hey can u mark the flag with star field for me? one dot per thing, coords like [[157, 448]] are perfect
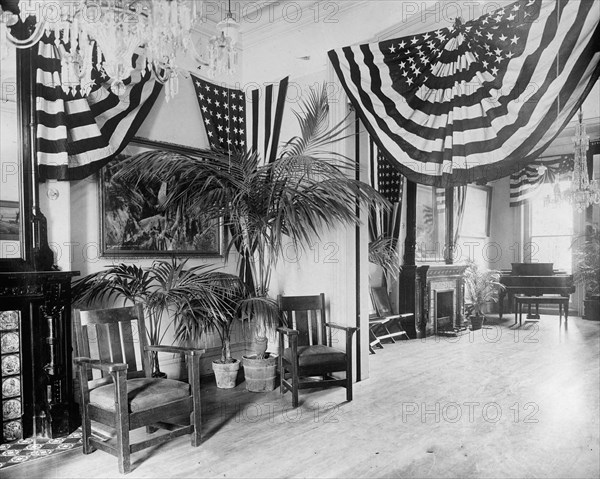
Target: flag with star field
[[223, 113], [479, 100]]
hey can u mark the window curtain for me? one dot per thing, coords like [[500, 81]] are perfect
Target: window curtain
[[78, 132], [525, 183], [460, 197]]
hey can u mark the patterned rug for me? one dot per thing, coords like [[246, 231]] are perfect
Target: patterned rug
[[25, 450]]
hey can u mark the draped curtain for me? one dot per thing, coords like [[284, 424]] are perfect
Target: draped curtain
[[460, 197]]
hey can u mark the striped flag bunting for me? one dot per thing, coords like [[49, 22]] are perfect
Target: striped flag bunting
[[235, 120], [525, 182], [78, 133], [478, 100]]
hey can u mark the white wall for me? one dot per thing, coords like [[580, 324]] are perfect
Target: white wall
[[282, 45]]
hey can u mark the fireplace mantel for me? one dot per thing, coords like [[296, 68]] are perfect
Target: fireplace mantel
[[418, 286]]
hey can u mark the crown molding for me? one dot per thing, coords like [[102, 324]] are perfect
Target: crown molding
[[275, 25]]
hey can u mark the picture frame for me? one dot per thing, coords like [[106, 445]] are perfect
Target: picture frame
[[10, 229], [132, 222], [478, 208]]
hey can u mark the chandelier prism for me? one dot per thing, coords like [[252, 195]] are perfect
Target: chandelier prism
[[222, 48], [584, 192], [105, 34]]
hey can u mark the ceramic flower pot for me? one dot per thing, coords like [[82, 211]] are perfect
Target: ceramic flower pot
[[477, 322], [226, 373]]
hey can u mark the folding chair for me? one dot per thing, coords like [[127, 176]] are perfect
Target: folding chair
[[381, 301]]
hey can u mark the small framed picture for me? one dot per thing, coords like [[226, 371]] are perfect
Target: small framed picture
[[9, 220], [133, 221]]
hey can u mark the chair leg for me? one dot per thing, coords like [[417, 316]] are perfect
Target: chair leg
[[86, 423], [86, 429], [295, 382], [349, 383], [196, 415], [122, 424], [281, 373]]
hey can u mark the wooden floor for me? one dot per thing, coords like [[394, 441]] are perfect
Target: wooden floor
[[494, 403]]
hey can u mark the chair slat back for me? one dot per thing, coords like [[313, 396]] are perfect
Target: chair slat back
[[116, 335], [306, 314], [381, 301]]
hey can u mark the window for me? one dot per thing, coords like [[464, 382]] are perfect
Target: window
[[551, 228]]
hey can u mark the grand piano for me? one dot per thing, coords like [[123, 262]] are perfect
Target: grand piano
[[534, 279]]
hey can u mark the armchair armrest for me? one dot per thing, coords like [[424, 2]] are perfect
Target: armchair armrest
[[348, 329], [288, 331], [98, 364], [176, 349]]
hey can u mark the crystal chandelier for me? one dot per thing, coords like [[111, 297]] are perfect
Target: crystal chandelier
[[114, 29], [222, 48], [584, 192]]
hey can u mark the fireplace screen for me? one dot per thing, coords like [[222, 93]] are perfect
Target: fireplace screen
[[444, 311]]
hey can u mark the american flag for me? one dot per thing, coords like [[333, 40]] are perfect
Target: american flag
[[475, 101], [390, 183], [235, 121], [223, 113], [524, 183], [389, 180], [78, 134]]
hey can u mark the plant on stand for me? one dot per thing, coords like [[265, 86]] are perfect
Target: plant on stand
[[166, 288], [293, 199], [586, 248], [482, 286]]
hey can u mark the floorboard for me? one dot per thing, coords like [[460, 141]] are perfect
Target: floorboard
[[493, 403]]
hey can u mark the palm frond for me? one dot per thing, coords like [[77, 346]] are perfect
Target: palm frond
[[307, 190], [384, 253], [316, 136]]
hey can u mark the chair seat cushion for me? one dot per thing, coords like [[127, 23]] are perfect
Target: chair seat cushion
[[318, 356], [143, 393]]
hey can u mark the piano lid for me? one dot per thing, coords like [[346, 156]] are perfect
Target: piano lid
[[532, 269]]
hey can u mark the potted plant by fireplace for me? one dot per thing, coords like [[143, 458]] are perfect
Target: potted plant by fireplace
[[586, 249], [266, 207], [482, 286]]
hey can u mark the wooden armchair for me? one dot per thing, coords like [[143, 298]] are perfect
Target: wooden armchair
[[117, 387], [310, 353]]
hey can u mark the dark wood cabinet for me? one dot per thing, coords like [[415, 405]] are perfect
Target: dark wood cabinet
[[36, 374]]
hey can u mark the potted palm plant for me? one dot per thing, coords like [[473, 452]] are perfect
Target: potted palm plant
[[293, 199], [587, 269], [197, 320], [166, 288], [482, 286]]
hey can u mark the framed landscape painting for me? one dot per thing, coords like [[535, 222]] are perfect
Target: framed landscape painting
[[134, 223]]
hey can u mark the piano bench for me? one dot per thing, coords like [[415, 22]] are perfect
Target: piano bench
[[520, 301]]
